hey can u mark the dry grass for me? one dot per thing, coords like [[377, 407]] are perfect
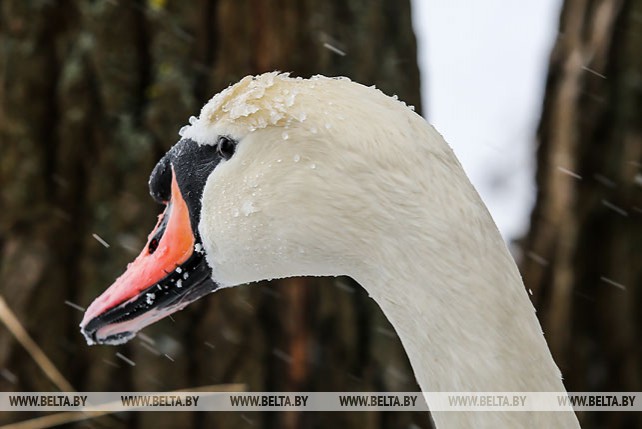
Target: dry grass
[[12, 323], [8, 317]]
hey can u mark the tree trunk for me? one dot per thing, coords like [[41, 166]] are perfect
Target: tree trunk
[[584, 251], [91, 95]]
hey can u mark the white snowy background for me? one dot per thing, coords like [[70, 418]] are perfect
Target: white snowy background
[[483, 66]]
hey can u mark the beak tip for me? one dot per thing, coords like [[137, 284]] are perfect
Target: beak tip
[[90, 336]]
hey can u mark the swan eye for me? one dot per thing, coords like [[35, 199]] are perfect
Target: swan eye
[[225, 147]]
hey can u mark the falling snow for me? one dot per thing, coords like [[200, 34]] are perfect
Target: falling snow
[[537, 258], [76, 306], [569, 172], [613, 283], [146, 338], [282, 355], [150, 348], [125, 359], [247, 420], [615, 208], [605, 181], [110, 363], [334, 49], [8, 375], [100, 240], [590, 70]]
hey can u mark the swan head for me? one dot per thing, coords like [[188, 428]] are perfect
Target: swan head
[[277, 177]]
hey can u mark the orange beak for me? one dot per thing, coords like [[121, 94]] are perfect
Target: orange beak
[[167, 275]]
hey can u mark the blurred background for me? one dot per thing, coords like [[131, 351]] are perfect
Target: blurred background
[[541, 100]]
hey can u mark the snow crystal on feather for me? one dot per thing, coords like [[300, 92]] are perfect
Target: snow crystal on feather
[[253, 103], [273, 99]]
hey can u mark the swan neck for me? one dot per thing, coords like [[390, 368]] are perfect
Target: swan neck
[[466, 322]]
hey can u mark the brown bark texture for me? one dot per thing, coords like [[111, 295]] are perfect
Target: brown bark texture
[[583, 255], [92, 93]]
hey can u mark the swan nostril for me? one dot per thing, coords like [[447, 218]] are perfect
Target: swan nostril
[[159, 231], [153, 245]]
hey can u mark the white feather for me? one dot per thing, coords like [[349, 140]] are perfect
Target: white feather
[[362, 186]]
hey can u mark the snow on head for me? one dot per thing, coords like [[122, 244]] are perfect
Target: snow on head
[[266, 100], [253, 103]]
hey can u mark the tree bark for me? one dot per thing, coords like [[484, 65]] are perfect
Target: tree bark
[[584, 249], [91, 95]]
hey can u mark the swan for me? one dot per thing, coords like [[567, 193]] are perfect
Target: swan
[[283, 176]]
